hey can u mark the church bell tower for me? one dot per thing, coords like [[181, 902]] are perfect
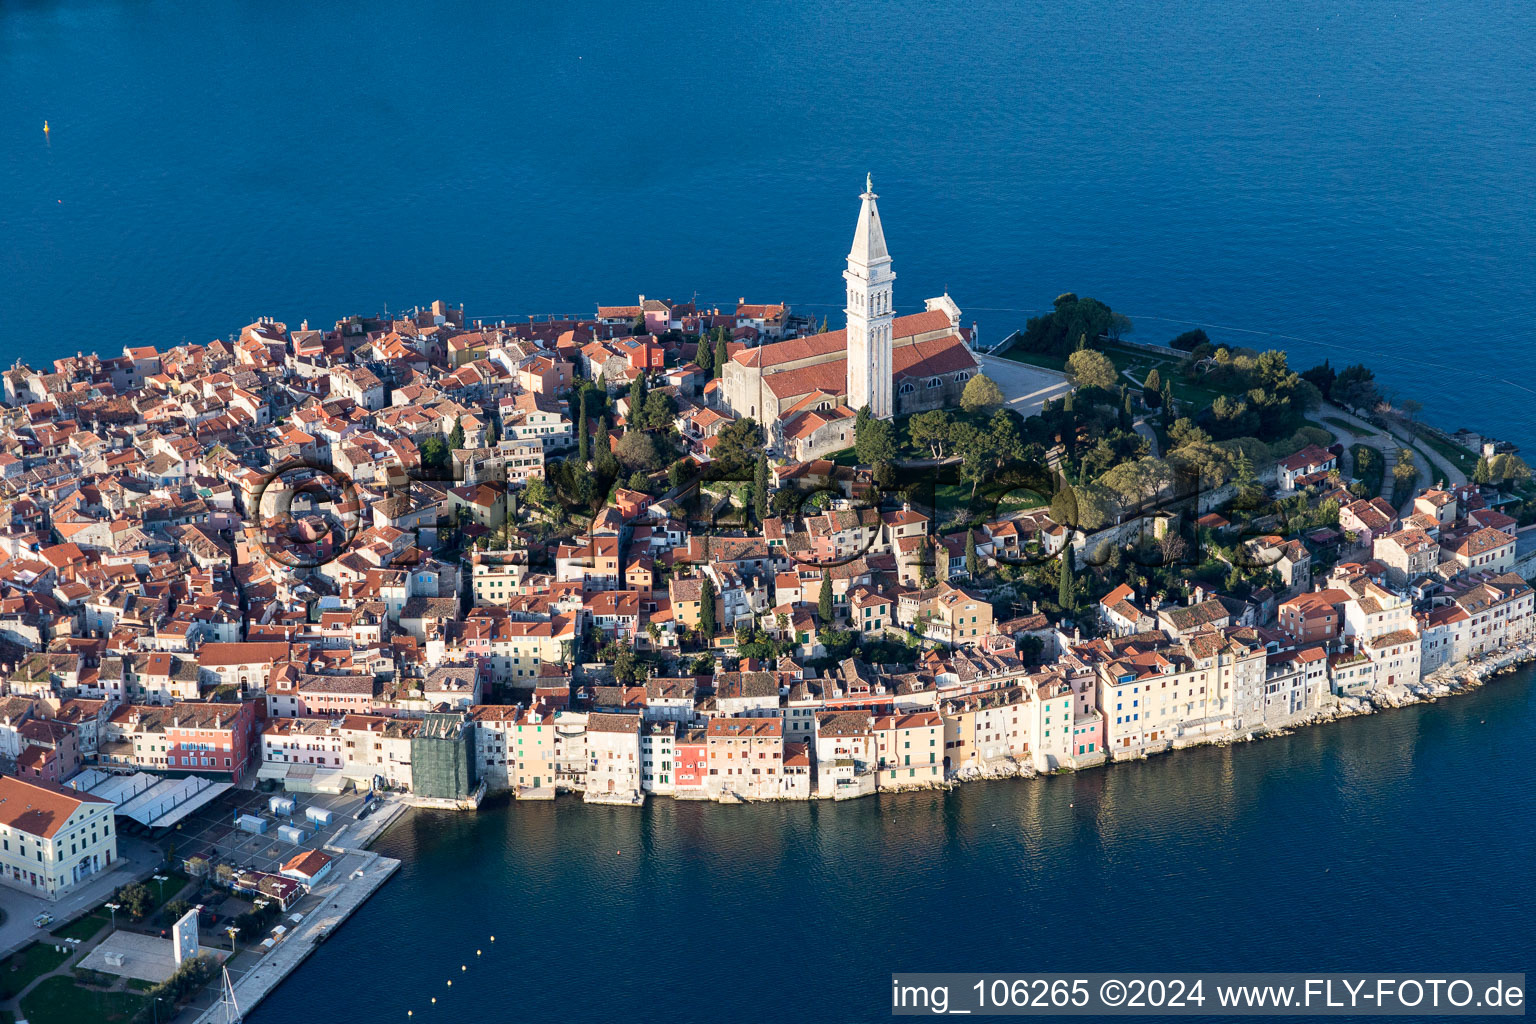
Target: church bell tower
[[869, 277]]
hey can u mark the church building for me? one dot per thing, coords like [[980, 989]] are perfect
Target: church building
[[894, 364]]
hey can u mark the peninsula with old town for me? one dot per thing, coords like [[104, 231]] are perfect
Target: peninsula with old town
[[733, 554]]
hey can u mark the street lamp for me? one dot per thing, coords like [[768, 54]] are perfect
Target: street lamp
[[162, 880], [233, 931], [114, 907]]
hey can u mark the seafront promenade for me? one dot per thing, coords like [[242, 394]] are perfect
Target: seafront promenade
[[356, 874]]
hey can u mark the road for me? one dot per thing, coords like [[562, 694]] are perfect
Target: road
[[1389, 443]]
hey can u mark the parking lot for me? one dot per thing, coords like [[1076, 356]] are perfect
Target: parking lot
[[211, 831]]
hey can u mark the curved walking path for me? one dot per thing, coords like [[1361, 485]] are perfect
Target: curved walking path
[[1389, 442]]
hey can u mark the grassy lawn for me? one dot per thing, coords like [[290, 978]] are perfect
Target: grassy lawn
[[1332, 437], [83, 928], [953, 499], [1048, 362], [1455, 454], [1342, 424], [60, 1001], [25, 965], [1371, 475]]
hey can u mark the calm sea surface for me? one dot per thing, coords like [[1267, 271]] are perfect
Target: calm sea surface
[[1401, 841], [1352, 180], [1356, 181]]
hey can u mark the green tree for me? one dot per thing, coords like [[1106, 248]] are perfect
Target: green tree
[[931, 429], [637, 452], [628, 669], [1064, 507], [1091, 368], [660, 410], [720, 354], [978, 455], [636, 399], [537, 492], [604, 463], [434, 455], [1066, 585], [972, 563], [638, 326], [760, 487], [981, 393], [737, 446], [1505, 467], [583, 440], [492, 433], [707, 609], [135, 898], [1152, 389], [678, 473], [1355, 387], [456, 435], [824, 609], [1190, 340], [874, 440], [1482, 474], [705, 355]]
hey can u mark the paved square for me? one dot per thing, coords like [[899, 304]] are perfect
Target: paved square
[[145, 957]]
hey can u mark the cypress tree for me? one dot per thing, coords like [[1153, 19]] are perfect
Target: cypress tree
[[707, 610], [720, 354], [971, 561], [636, 399], [1066, 590], [760, 487], [583, 442], [824, 609], [705, 356], [1152, 389], [456, 435]]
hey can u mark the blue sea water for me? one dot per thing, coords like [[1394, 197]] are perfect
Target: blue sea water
[[1395, 842], [1354, 181], [1349, 180]]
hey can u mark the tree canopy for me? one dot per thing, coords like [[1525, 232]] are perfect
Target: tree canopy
[[981, 393], [874, 440], [1071, 318], [1091, 368]]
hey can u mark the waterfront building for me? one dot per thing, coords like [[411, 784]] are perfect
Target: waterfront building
[[691, 759], [442, 762], [613, 751], [909, 749], [982, 729], [745, 758], [51, 838], [658, 755]]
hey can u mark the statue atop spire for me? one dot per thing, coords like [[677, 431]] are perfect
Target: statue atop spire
[[869, 183]]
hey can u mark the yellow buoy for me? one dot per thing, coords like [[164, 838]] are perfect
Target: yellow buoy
[[45, 128], [463, 967], [477, 952]]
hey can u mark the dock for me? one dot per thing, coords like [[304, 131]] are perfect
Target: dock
[[356, 874]]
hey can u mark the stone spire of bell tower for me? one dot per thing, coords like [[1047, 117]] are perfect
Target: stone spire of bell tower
[[869, 278]]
